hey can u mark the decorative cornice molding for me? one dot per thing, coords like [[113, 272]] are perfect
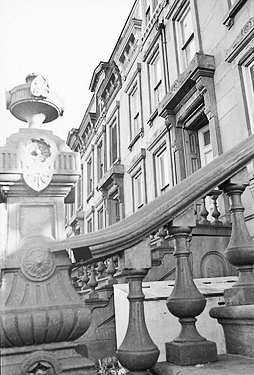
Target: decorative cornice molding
[[243, 39], [136, 160]]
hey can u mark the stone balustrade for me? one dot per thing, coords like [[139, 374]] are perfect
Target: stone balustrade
[[129, 239]]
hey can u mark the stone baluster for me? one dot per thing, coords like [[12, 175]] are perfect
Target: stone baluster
[[85, 278], [93, 283], [100, 269], [137, 353], [214, 194], [237, 315], [203, 212], [186, 302], [197, 211], [240, 250], [111, 270]]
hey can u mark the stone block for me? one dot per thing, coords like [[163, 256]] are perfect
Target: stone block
[[191, 353]]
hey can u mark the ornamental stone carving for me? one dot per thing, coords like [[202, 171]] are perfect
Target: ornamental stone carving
[[38, 264], [37, 157]]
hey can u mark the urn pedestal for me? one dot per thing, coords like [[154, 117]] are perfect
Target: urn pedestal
[[41, 315]]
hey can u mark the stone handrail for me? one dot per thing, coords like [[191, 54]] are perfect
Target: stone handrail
[[135, 228]]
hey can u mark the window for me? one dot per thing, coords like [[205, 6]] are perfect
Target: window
[[101, 218], [248, 79], [134, 111], [205, 146], [186, 42], [156, 86], [147, 13], [100, 160], [162, 170], [149, 7], [113, 210], [113, 142], [90, 225], [80, 190], [138, 190], [133, 89], [89, 176], [137, 170]]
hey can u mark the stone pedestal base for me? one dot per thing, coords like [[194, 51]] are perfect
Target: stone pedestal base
[[191, 353], [238, 327], [53, 359]]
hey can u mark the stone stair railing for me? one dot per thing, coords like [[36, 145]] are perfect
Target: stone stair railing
[[87, 278], [129, 239]]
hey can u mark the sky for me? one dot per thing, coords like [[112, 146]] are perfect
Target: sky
[[64, 41]]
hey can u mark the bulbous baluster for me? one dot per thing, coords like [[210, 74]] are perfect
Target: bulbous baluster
[[204, 213], [111, 270], [137, 352], [85, 278], [186, 302], [240, 250], [93, 283], [100, 269], [215, 213]]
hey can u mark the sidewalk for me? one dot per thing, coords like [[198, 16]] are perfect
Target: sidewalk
[[227, 365]]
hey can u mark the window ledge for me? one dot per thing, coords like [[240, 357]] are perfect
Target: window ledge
[[115, 171], [162, 189], [229, 19], [152, 117], [135, 139], [90, 195]]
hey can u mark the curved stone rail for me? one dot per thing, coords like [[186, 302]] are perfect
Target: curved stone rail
[[133, 229]]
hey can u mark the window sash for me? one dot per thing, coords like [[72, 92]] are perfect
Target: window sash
[[138, 190], [135, 118], [113, 143], [90, 226], [101, 218], [186, 42], [89, 177], [248, 78], [205, 145], [156, 85], [100, 160], [162, 171]]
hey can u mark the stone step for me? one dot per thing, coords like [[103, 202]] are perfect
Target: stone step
[[227, 364]]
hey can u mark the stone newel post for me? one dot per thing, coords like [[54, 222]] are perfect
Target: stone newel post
[[40, 313], [237, 316]]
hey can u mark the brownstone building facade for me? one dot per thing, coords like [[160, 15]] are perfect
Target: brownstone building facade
[[177, 91]]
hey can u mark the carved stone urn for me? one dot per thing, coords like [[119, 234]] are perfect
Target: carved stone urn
[[41, 315]]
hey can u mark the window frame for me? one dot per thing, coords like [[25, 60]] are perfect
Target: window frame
[[100, 217], [247, 76], [134, 111], [159, 83], [90, 174], [80, 189], [203, 148], [100, 159], [183, 45], [162, 184], [138, 171], [138, 194], [134, 84], [113, 121]]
